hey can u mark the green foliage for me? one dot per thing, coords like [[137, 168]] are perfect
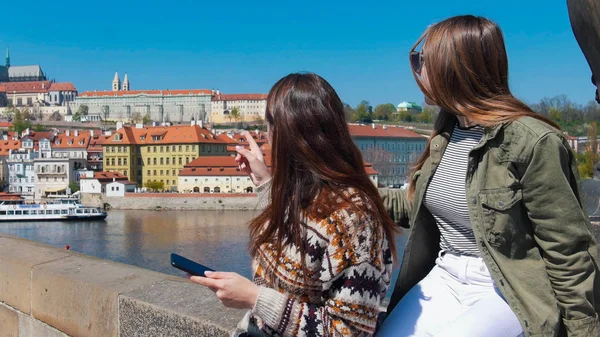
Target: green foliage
[[39, 128], [20, 124], [384, 112], [146, 119], [363, 113], [74, 187], [83, 110], [136, 117], [155, 185], [235, 114]]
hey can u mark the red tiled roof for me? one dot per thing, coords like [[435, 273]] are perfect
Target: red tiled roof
[[62, 140], [6, 124], [176, 134], [64, 86], [7, 145], [213, 161], [379, 131], [37, 136], [214, 171], [239, 97], [145, 92], [106, 177], [26, 87]]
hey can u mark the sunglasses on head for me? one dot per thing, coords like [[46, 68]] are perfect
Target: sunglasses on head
[[416, 61]]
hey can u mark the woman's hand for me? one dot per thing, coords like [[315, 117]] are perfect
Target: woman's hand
[[252, 161], [233, 290]]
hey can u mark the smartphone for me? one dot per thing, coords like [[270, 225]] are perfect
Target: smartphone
[[188, 266]]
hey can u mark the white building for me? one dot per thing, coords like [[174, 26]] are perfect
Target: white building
[[214, 175], [53, 176], [112, 184], [123, 104], [252, 107], [21, 176]]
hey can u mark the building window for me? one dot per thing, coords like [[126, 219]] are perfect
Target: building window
[[173, 172], [124, 161], [154, 172], [154, 149], [125, 172], [180, 147], [167, 148], [112, 161], [173, 148], [119, 161], [167, 160], [180, 163], [148, 161], [161, 149], [161, 161], [187, 148], [161, 172], [154, 160], [148, 172]]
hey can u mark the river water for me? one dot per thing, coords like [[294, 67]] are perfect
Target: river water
[[217, 239]]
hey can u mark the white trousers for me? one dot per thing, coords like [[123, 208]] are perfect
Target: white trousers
[[457, 298]]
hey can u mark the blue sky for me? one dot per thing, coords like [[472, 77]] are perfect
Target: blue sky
[[245, 46]]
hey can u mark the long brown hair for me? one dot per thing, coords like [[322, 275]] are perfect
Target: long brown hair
[[466, 68], [313, 156]]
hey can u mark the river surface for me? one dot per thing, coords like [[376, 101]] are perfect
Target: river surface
[[217, 239]]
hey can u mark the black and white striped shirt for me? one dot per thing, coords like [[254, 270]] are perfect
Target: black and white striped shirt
[[446, 197]]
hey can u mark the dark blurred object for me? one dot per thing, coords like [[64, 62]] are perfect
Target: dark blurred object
[[585, 22]]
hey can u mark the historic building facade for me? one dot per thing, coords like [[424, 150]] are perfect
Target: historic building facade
[[390, 149], [123, 104], [158, 153], [251, 108]]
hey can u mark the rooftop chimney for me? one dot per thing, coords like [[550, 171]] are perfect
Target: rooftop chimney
[[193, 122], [153, 124], [385, 127], [119, 125], [91, 133], [67, 132], [200, 124], [139, 126], [76, 133], [373, 125]]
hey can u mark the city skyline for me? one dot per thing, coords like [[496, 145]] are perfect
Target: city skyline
[[361, 50]]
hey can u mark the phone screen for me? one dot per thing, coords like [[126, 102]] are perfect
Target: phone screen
[[188, 266]]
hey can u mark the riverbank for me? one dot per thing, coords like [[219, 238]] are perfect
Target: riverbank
[[174, 201]]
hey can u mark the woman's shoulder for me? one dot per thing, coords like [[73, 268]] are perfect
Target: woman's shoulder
[[521, 137]]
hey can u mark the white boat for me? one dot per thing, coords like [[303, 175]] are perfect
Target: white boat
[[56, 210]]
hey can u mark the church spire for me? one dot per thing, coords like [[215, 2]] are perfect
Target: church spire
[[116, 83], [7, 58], [126, 83]]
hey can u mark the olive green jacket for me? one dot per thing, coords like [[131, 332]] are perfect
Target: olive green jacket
[[522, 189]]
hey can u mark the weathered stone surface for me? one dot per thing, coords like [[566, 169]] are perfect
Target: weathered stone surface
[[79, 295], [175, 308], [30, 327], [9, 322], [17, 257]]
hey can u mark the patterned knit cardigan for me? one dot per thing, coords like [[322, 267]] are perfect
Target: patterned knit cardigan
[[349, 265]]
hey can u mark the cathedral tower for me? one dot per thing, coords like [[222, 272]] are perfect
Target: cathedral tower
[[116, 83]]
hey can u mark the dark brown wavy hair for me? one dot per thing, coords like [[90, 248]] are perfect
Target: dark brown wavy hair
[[314, 162], [467, 72]]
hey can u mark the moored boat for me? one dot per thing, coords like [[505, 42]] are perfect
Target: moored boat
[[57, 210]]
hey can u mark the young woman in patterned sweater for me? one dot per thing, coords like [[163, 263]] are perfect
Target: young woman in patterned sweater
[[323, 247]]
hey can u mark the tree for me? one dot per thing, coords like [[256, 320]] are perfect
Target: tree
[[27, 115], [363, 113], [349, 112], [19, 123], [56, 116], [146, 119], [591, 151], [381, 160], [235, 114], [155, 185], [83, 110], [10, 112], [136, 117], [74, 187], [39, 128], [384, 111]]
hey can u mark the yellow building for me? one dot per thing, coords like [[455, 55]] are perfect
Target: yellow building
[[158, 153]]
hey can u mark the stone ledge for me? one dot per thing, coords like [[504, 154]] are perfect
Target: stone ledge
[[175, 308], [77, 295]]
